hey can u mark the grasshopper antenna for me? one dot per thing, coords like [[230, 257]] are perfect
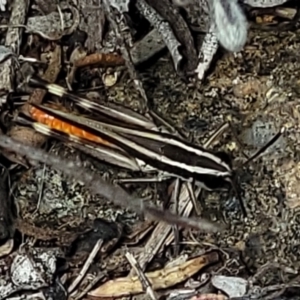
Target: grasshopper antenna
[[254, 156], [265, 147], [238, 195]]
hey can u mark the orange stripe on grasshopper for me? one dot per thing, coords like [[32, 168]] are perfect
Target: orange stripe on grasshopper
[[55, 123]]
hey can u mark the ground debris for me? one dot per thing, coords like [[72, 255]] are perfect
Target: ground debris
[[29, 269], [87, 225], [234, 287]]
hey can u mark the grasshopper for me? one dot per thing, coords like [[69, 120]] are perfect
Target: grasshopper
[[133, 141]]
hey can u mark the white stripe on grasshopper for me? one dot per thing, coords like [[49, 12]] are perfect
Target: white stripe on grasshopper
[[126, 162], [174, 142], [151, 154], [60, 91]]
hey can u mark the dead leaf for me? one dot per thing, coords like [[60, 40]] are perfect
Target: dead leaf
[[160, 279]]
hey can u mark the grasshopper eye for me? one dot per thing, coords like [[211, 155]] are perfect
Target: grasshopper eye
[[225, 157]]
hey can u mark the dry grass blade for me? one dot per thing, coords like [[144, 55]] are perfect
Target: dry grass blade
[[164, 29], [86, 266], [180, 29]]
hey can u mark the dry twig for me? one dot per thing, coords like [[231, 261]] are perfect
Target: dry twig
[[86, 266], [143, 279], [126, 54]]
